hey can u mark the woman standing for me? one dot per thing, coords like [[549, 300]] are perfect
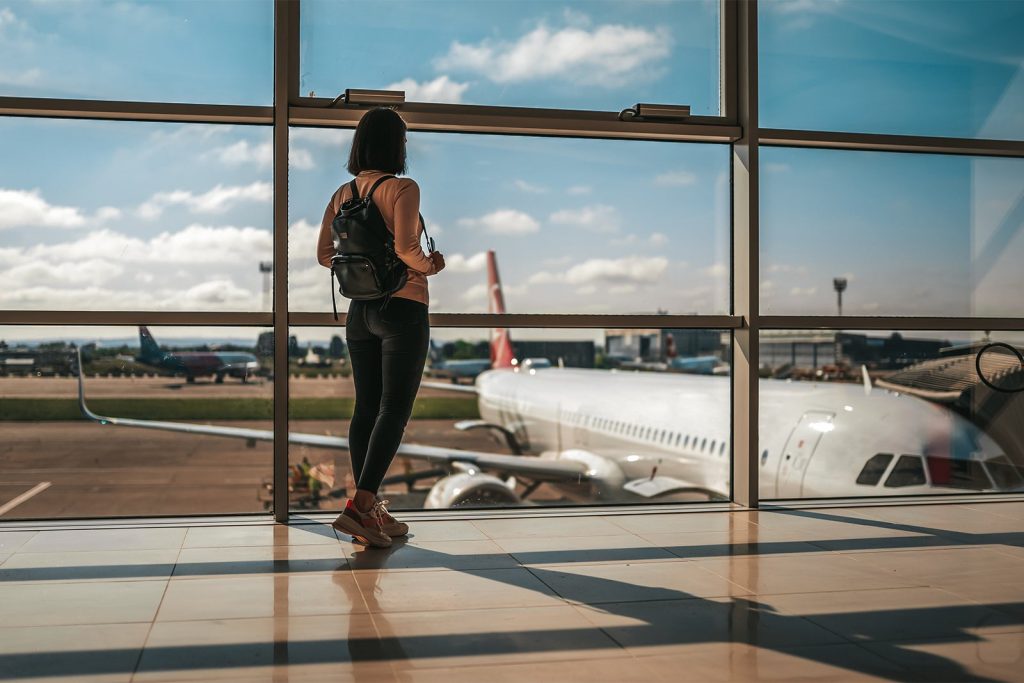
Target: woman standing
[[387, 344]]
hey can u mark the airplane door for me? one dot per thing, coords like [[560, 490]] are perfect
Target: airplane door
[[796, 456]]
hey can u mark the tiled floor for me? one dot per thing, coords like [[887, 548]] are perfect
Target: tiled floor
[[912, 593]]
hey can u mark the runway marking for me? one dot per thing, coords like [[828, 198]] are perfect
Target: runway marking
[[15, 502]]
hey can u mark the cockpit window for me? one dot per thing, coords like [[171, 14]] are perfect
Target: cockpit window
[[1004, 473], [909, 471], [958, 473], [874, 469]]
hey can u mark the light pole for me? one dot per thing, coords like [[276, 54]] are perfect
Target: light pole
[[839, 283], [267, 268]]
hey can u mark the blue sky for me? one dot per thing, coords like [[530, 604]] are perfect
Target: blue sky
[[167, 216]]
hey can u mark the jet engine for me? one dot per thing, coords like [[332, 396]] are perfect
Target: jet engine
[[472, 489]]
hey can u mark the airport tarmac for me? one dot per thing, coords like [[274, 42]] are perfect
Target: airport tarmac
[[168, 387], [98, 471]]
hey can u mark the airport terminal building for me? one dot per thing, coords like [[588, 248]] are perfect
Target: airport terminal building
[[724, 376]]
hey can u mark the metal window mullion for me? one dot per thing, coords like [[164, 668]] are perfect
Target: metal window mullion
[[523, 121], [108, 110], [728, 85], [285, 42], [938, 323], [745, 263], [543, 320], [875, 142], [10, 317]]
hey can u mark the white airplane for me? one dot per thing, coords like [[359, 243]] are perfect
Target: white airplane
[[610, 436]]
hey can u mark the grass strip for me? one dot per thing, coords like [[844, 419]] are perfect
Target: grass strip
[[56, 409]]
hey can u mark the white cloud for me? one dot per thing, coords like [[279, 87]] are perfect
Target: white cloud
[[775, 167], [260, 155], [716, 270], [631, 269], [627, 271], [206, 244], [596, 218], [218, 200], [530, 187], [632, 239], [803, 291], [457, 263], [26, 77], [658, 239], [503, 222], [441, 89], [477, 292], [28, 209], [676, 178], [607, 55], [579, 189]]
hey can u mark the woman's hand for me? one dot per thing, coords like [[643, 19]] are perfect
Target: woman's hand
[[438, 259]]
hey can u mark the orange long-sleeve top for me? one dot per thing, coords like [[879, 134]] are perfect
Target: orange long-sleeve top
[[399, 203]]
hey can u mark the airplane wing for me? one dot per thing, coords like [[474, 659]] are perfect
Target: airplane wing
[[530, 466], [463, 388]]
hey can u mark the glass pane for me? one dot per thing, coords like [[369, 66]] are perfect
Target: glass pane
[[910, 234], [56, 464], [134, 216], [565, 404], [577, 226], [927, 424], [946, 68], [217, 52], [588, 54]]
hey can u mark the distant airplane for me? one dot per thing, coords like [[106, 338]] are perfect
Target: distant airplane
[[613, 436], [455, 369], [196, 363]]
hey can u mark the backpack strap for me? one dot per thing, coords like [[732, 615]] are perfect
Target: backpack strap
[[369, 195], [355, 189]]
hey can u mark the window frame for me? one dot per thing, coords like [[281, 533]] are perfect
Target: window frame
[[737, 126]]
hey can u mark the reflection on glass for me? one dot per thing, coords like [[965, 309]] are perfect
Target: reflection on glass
[[909, 234], [134, 216], [886, 414], [577, 226], [570, 55], [208, 390], [528, 417], [168, 51], [946, 68]]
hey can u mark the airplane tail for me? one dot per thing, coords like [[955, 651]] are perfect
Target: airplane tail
[[148, 348], [502, 355]]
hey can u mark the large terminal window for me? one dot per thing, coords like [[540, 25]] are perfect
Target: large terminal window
[[946, 68], [167, 164], [590, 55], [134, 216], [217, 52], [577, 226], [910, 234]]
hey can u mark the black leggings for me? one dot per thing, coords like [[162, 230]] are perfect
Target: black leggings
[[388, 349]]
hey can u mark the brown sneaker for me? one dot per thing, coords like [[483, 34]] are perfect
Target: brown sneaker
[[364, 527], [389, 525]]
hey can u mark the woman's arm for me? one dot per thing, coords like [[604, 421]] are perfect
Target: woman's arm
[[325, 242], [407, 228]]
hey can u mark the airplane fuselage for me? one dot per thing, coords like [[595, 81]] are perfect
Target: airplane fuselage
[[673, 430]]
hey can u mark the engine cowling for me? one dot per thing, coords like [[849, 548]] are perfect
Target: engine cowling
[[470, 489]]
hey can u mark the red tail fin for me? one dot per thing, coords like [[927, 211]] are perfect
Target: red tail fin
[[501, 345]]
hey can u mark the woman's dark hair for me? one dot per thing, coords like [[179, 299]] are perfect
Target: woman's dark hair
[[379, 143]]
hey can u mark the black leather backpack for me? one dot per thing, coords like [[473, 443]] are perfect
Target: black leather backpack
[[365, 263]]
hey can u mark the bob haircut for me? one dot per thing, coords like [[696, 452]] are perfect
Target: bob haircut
[[379, 143]]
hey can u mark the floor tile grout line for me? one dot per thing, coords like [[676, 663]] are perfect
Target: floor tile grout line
[[574, 608], [156, 612]]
